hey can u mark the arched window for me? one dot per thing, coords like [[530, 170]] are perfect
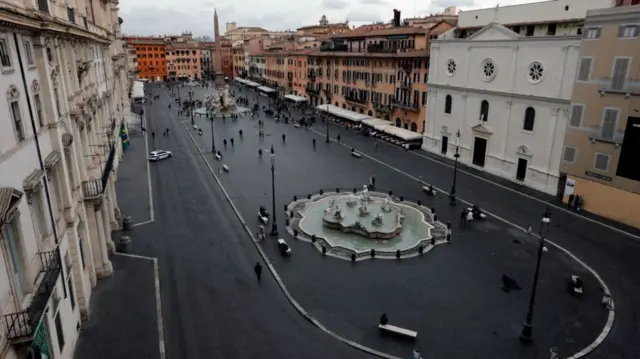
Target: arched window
[[344, 106], [484, 111], [336, 103], [398, 122], [414, 127], [529, 119], [386, 118], [447, 104], [370, 113], [353, 108], [361, 110]]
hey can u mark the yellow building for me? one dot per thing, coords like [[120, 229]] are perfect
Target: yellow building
[[602, 141], [381, 72], [323, 28]]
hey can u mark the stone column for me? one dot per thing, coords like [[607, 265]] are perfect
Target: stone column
[[104, 267], [115, 211], [78, 272], [106, 225]]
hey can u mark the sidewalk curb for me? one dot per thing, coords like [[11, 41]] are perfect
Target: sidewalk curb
[[273, 271]]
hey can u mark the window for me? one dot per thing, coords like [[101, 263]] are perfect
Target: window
[[530, 30], [59, 332], [448, 102], [576, 115], [626, 31], [592, 33], [5, 57], [39, 114], [27, 53], [72, 292], [37, 208], [424, 98], [584, 70], [609, 123], [529, 119], [16, 116], [484, 111], [56, 96], [14, 247], [601, 162], [619, 76], [551, 29], [569, 154]]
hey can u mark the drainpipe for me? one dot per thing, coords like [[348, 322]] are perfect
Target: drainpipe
[[40, 160]]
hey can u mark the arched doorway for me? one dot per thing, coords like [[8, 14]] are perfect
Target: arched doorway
[[398, 122], [353, 108], [361, 110], [370, 113], [414, 127], [344, 106], [406, 126], [386, 117], [322, 101], [336, 103]]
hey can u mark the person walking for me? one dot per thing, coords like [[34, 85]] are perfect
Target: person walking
[[375, 147], [258, 270], [153, 135], [284, 138], [338, 138]]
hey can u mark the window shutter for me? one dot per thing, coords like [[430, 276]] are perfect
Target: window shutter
[[602, 162], [621, 29], [585, 67], [609, 124], [619, 74], [576, 116], [598, 32]]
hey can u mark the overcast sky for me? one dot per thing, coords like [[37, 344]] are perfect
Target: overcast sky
[[158, 17]]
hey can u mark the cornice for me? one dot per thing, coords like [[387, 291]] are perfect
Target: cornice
[[553, 100]]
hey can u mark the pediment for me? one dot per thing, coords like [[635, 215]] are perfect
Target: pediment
[[493, 32], [482, 128]]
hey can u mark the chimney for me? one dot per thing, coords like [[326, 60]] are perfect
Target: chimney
[[396, 18]]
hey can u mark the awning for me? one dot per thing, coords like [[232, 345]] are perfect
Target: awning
[[33, 180], [9, 199], [295, 98], [251, 83], [377, 123], [343, 113], [402, 133], [242, 81], [52, 160], [266, 89]]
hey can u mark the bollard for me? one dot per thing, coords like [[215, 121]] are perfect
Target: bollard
[[125, 244], [397, 253], [127, 223], [353, 257], [372, 253]]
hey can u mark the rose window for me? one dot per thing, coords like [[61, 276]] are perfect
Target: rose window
[[488, 70], [451, 67], [536, 72]]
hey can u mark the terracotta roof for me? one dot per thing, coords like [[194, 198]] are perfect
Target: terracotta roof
[[408, 54], [339, 24], [250, 28], [524, 23], [404, 30]]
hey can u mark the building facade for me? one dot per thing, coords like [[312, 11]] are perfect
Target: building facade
[[602, 142], [65, 83], [323, 28], [243, 33], [206, 65], [495, 90], [150, 54], [183, 61]]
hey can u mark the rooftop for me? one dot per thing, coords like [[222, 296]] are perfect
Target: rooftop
[[366, 32], [398, 54]]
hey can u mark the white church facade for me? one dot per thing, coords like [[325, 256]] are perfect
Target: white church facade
[[504, 100]]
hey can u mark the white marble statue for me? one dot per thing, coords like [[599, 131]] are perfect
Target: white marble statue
[[352, 200], [363, 209], [332, 203], [337, 214], [364, 195], [220, 101], [377, 220], [386, 205]]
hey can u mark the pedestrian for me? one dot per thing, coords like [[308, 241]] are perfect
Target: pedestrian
[[153, 135], [314, 143], [338, 138], [224, 142], [375, 147], [259, 152], [167, 131], [469, 217], [373, 181], [258, 270], [463, 217], [231, 141], [284, 138], [240, 132]]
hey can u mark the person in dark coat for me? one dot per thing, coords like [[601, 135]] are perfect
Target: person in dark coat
[[258, 270]]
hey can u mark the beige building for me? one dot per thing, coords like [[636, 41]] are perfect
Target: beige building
[[242, 33], [324, 28], [602, 143]]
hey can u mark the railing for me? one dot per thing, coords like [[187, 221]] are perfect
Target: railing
[[354, 99], [625, 88], [94, 188], [406, 106], [313, 91], [380, 107], [379, 49], [43, 5], [24, 323], [405, 85]]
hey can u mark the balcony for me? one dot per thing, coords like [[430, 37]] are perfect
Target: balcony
[[609, 135], [355, 99], [379, 49], [312, 91], [406, 106], [380, 107], [21, 326], [406, 85], [93, 189], [628, 87]]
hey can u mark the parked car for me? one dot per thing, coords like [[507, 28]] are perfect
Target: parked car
[[158, 155]]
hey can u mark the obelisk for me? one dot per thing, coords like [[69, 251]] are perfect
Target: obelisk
[[217, 58]]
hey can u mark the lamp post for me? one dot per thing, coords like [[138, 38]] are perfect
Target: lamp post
[[327, 95], [191, 106], [525, 336], [274, 225], [213, 141], [452, 194]]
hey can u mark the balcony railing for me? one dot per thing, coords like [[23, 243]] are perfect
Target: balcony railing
[[95, 188], [379, 49], [354, 99], [405, 85], [313, 91], [627, 87], [21, 326], [406, 106], [43, 5], [380, 107]]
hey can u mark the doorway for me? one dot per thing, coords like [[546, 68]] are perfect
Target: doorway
[[479, 151], [444, 145], [521, 172]]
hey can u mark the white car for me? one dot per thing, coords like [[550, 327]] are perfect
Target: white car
[[158, 155]]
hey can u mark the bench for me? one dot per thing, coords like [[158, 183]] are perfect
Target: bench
[[225, 168], [398, 330], [576, 285], [218, 157], [356, 154]]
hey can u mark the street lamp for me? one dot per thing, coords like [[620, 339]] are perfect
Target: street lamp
[[327, 95], [191, 106], [452, 194], [274, 225], [213, 141], [525, 336]]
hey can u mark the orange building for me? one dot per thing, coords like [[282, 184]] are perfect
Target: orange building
[[379, 72], [150, 52], [238, 61]]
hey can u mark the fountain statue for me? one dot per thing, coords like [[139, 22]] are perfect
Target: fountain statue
[[337, 214], [377, 220], [363, 209], [352, 200], [220, 101], [364, 195], [386, 205]]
